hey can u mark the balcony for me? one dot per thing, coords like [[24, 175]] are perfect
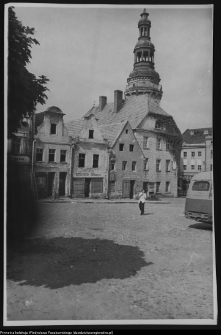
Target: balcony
[[143, 85]]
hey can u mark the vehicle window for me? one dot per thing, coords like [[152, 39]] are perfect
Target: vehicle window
[[200, 186]]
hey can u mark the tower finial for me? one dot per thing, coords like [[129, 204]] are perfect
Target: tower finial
[[144, 11]]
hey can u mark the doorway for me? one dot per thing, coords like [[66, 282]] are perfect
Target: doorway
[[87, 187], [145, 186], [51, 177], [62, 181], [132, 182]]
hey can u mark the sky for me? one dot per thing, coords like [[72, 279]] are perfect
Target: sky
[[87, 51]]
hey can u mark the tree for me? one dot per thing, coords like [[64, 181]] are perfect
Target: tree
[[25, 91]]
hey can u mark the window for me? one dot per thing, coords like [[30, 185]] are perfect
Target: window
[[167, 144], [145, 142], [211, 167], [192, 167], [200, 186], [97, 185], [53, 128], [191, 132], [134, 166], [81, 162], [167, 165], [146, 165], [192, 154], [167, 186], [158, 186], [211, 153], [51, 155], [199, 167], [158, 143], [205, 132], [63, 156], [112, 165], [184, 154], [112, 186], [16, 146], [121, 147], [184, 167], [95, 161], [131, 147], [39, 154], [91, 133], [158, 165], [199, 154], [124, 165], [126, 131]]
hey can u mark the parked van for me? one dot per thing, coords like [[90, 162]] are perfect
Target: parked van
[[199, 197]]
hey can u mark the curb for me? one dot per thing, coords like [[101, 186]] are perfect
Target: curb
[[102, 202]]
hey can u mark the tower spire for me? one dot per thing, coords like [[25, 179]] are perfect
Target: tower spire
[[144, 78]]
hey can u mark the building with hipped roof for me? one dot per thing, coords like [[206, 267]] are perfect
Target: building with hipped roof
[[196, 155]]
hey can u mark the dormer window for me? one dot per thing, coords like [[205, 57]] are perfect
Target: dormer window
[[158, 125], [53, 128], [91, 133], [206, 132], [191, 132]]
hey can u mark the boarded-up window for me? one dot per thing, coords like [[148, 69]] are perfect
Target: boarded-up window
[[97, 185]]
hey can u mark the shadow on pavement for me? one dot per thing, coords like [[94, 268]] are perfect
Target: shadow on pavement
[[147, 213], [202, 226], [59, 262]]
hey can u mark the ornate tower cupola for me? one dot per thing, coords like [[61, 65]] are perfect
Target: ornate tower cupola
[[144, 79]]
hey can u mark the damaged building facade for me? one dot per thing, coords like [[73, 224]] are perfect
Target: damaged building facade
[[90, 159], [51, 154]]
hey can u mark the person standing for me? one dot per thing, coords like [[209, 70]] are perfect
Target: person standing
[[142, 198]]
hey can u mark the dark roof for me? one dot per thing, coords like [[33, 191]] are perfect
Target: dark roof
[[198, 137], [53, 109], [39, 118], [133, 109]]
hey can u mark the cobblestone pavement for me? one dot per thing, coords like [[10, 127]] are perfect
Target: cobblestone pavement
[[100, 261]]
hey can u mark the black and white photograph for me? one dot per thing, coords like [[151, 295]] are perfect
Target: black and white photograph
[[109, 213]]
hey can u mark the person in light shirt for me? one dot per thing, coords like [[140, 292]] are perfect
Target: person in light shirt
[[142, 198]]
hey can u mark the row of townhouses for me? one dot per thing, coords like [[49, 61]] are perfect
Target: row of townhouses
[[116, 149]]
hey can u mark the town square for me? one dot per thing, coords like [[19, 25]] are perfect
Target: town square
[[109, 214]]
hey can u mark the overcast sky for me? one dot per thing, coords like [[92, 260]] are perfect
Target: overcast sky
[[88, 52]]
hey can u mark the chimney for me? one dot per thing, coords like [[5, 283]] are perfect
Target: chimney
[[118, 99], [102, 102]]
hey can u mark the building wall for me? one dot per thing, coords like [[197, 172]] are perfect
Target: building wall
[[152, 153], [118, 175], [89, 148], [209, 153], [52, 176]]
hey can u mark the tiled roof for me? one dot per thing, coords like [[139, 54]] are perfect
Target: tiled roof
[[39, 118], [74, 127], [133, 109], [111, 132], [198, 137]]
